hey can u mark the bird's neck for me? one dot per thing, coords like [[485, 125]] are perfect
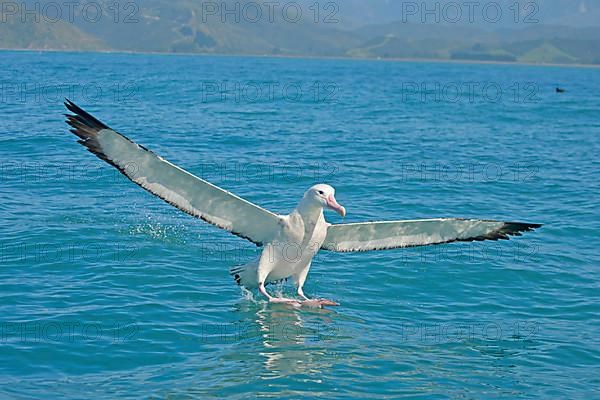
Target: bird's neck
[[309, 211]]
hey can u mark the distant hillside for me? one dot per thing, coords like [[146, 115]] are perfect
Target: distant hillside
[[185, 26], [535, 44], [35, 32], [573, 13]]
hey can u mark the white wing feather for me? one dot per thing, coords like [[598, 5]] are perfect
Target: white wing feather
[[394, 234], [174, 185]]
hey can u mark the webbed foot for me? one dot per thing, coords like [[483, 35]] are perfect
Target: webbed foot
[[319, 303], [283, 300]]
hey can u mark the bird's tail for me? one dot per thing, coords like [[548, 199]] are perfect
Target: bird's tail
[[246, 275]]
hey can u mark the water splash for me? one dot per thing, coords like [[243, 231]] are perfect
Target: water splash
[[176, 233]]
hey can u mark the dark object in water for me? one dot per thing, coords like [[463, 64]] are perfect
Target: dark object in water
[[560, 90]]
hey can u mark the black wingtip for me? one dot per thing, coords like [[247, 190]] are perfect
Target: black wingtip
[[515, 229], [82, 118], [74, 108], [521, 226], [507, 230]]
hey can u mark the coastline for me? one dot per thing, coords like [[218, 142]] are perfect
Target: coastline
[[310, 57]]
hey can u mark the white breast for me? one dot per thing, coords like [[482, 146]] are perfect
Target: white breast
[[297, 245]]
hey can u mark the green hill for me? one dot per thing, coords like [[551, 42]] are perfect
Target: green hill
[[36, 32], [182, 26]]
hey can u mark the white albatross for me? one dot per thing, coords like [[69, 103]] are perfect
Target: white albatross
[[290, 241]]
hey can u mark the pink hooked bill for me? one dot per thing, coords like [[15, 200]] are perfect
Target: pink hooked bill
[[332, 204]]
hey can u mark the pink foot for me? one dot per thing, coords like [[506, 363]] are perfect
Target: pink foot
[[320, 303], [282, 300]]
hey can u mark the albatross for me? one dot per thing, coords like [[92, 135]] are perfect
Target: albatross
[[289, 241]]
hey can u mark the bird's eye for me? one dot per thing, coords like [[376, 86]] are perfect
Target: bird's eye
[[321, 192]]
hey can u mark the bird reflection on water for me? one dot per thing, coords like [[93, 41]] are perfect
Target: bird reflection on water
[[289, 340]]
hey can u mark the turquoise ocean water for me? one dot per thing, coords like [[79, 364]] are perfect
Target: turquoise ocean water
[[108, 292]]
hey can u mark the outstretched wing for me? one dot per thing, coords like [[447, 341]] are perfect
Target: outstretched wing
[[177, 187], [393, 234]]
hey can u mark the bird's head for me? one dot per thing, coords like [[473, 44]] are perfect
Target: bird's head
[[324, 195]]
